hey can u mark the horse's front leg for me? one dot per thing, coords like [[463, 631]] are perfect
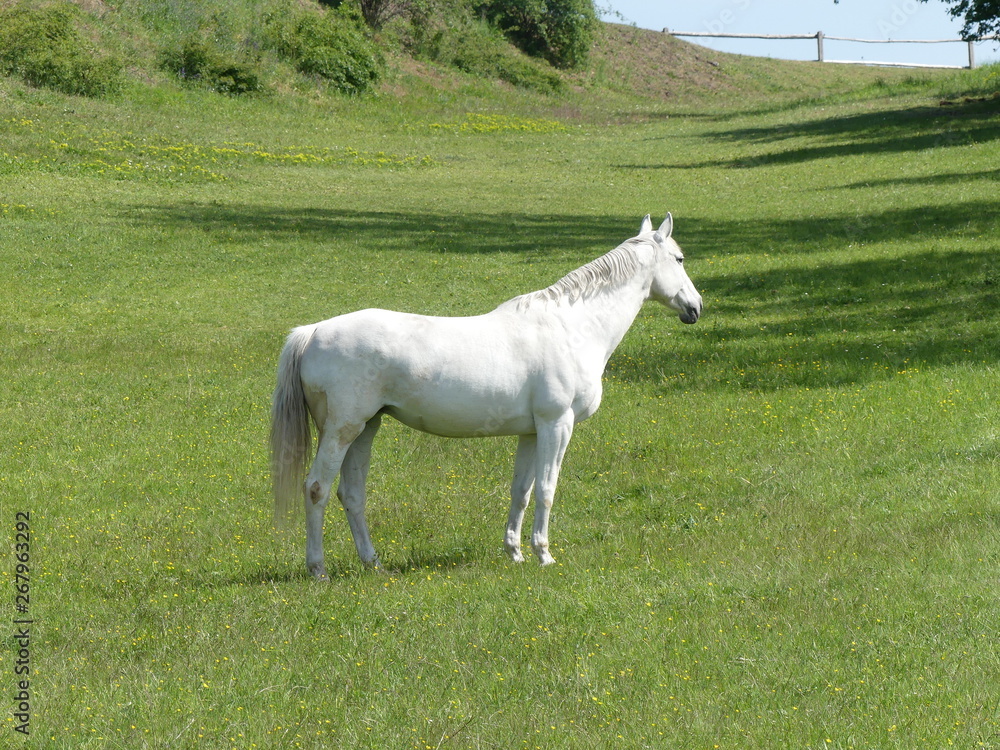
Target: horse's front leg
[[520, 493], [553, 438]]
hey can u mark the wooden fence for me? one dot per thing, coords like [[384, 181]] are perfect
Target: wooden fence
[[820, 37]]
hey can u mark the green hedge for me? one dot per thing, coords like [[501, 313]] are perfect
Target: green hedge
[[333, 45], [202, 61], [561, 31], [451, 32], [45, 47]]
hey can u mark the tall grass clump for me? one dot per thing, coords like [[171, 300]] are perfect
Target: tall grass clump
[[50, 47], [984, 81], [331, 44]]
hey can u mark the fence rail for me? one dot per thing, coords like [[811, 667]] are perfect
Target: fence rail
[[820, 37]]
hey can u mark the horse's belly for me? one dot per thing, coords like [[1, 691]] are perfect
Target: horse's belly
[[457, 419]]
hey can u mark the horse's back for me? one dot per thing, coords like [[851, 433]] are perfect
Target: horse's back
[[422, 345]]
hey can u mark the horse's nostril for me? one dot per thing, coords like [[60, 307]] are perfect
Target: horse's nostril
[[690, 315]]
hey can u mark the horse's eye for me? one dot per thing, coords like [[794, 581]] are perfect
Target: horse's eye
[[681, 261]]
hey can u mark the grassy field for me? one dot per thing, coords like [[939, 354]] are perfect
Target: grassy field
[[782, 529]]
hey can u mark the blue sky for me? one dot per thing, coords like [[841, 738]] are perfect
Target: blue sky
[[865, 19]]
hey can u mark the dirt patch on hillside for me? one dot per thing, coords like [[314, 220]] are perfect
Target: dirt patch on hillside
[[654, 64], [625, 59]]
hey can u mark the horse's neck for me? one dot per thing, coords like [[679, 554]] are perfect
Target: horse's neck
[[605, 317]]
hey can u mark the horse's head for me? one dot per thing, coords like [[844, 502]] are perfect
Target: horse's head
[[671, 284]]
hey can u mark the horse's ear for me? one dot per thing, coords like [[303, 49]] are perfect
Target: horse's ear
[[667, 227], [646, 226]]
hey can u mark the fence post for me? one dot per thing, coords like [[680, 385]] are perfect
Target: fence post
[[972, 55], [819, 45]]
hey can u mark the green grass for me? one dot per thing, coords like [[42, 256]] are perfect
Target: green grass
[[781, 528]]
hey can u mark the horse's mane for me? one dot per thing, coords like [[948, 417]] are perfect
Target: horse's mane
[[610, 271]]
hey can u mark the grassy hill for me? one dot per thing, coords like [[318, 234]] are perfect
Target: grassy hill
[[781, 528], [285, 49]]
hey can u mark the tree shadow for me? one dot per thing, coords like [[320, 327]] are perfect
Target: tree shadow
[[836, 322], [951, 178], [722, 237], [868, 133], [419, 231], [934, 306]]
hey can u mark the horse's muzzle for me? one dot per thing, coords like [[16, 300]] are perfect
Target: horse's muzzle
[[690, 314]]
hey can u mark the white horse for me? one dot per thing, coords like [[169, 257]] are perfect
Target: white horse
[[532, 368]]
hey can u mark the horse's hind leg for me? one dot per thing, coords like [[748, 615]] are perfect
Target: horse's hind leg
[[351, 491], [520, 494], [333, 447]]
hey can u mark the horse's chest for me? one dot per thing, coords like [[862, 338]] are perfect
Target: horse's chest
[[588, 399]]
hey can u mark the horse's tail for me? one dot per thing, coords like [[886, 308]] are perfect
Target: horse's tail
[[291, 435]]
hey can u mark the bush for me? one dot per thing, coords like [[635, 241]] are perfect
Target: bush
[[44, 47], [445, 32], [331, 45], [561, 31], [202, 61], [479, 52]]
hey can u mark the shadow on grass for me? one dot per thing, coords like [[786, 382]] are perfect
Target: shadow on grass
[[835, 324], [806, 317], [473, 234], [951, 178], [704, 237], [425, 232], [868, 133], [830, 304], [350, 567]]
